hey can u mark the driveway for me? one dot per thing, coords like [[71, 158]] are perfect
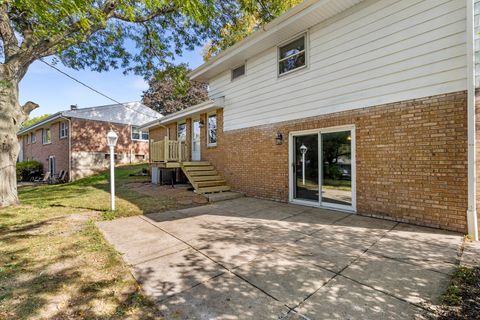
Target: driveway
[[255, 259]]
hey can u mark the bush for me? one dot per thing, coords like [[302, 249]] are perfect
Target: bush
[[26, 170]]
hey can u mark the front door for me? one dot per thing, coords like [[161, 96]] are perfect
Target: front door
[[196, 140], [323, 168]]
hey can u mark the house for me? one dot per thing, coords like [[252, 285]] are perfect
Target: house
[[75, 140], [362, 106]]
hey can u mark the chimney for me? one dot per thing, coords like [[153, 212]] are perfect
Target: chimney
[[73, 107]]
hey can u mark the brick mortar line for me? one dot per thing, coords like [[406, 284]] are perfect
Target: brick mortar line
[[214, 261]]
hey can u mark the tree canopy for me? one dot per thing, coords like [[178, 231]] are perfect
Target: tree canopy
[[31, 121]]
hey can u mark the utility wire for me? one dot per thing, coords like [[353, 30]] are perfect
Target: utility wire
[[91, 88]]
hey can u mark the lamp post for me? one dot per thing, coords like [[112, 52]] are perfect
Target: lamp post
[[112, 139], [303, 150]]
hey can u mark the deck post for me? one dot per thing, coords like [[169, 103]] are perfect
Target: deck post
[[180, 156], [150, 151], [166, 148]]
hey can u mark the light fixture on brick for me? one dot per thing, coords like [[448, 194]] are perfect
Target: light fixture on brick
[[279, 138]]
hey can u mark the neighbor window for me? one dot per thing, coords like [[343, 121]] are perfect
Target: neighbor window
[[182, 131], [33, 137], [27, 137], [212, 129], [291, 56], [238, 72], [138, 134], [46, 137], [63, 129]]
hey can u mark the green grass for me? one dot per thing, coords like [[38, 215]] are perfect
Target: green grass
[[55, 263]]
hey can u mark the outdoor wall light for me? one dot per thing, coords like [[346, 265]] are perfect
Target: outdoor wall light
[[201, 123], [279, 138]]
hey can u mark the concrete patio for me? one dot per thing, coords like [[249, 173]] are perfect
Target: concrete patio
[[255, 259]]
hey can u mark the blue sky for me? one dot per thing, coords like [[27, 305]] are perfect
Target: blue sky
[[55, 92]]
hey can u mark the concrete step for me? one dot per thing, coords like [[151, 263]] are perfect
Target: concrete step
[[213, 189], [222, 196]]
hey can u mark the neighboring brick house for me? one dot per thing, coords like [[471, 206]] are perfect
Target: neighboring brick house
[[362, 106], [75, 140]]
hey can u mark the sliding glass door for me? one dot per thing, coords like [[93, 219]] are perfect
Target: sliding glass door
[[323, 168]]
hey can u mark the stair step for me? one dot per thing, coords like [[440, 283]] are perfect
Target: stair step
[[196, 163], [201, 168], [203, 173], [214, 183], [206, 178], [213, 189]]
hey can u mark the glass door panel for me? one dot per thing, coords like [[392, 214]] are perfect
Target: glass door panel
[[337, 168], [196, 140], [306, 166]]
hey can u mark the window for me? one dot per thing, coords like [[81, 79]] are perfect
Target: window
[[291, 56], [33, 137], [138, 134], [27, 137], [63, 130], [238, 72], [212, 130], [182, 132], [46, 137]]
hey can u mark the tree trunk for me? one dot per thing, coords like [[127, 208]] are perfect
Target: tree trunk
[[11, 117]]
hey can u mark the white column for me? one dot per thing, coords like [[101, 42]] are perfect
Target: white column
[[112, 178]]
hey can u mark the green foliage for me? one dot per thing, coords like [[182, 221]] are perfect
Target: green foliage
[[31, 121], [171, 91], [28, 169], [332, 171]]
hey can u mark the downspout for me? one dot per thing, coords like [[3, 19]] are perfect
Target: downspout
[[472, 220], [69, 148]]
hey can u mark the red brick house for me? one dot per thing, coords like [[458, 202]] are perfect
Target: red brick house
[[361, 106], [75, 140]]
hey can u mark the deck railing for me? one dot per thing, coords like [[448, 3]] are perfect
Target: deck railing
[[168, 150]]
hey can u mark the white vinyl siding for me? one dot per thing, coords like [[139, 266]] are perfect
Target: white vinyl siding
[[375, 53]]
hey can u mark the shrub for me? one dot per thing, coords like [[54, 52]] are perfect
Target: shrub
[[26, 170]]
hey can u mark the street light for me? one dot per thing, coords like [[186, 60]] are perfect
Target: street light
[[112, 139], [303, 150]]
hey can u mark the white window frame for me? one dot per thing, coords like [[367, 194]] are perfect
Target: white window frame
[[140, 134], [212, 144], [178, 125], [44, 136], [306, 50], [64, 130], [239, 77], [28, 139], [33, 137], [291, 175]]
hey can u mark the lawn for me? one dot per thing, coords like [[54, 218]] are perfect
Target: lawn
[[54, 263]]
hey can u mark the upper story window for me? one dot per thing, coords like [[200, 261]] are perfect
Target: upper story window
[[46, 136], [238, 72], [63, 130], [138, 134], [291, 56], [27, 138], [212, 130], [33, 137], [182, 132]]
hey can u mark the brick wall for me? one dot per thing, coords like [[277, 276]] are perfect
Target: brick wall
[[89, 146], [411, 159], [40, 152]]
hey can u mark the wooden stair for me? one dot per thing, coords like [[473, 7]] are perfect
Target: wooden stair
[[203, 177]]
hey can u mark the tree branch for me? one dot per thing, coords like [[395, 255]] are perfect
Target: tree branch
[[10, 41], [29, 107], [144, 18]]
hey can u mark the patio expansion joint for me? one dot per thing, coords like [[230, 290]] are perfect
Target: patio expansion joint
[[339, 273], [213, 260]]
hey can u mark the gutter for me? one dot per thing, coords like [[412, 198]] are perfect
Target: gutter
[[472, 218]]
